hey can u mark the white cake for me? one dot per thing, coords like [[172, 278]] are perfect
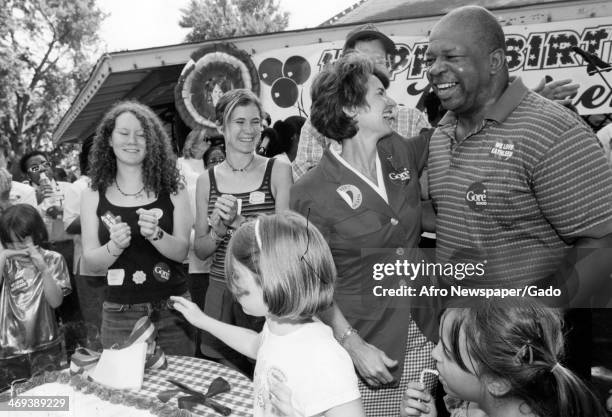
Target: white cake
[[90, 399], [86, 405]]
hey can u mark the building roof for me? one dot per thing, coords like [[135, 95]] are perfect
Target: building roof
[[378, 10]]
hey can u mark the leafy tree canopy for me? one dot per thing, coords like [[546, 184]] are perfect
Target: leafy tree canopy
[[214, 19], [45, 50]]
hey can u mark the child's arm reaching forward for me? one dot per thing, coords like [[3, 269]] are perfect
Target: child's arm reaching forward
[[243, 340], [417, 402]]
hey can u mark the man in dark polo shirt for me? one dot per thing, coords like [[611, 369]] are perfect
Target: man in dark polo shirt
[[518, 182]]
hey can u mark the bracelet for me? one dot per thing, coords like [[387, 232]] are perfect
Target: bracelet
[[349, 331], [215, 236], [159, 233], [109, 252]]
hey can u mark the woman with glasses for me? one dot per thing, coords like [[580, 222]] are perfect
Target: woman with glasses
[[367, 196], [135, 221], [239, 188]]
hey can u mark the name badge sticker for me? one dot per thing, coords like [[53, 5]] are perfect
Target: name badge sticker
[[115, 277], [257, 197], [502, 150]]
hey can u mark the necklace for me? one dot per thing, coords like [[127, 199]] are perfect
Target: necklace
[[244, 168], [128, 194]]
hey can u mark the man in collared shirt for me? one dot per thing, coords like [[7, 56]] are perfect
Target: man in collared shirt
[[19, 193], [34, 164], [518, 182], [405, 121]]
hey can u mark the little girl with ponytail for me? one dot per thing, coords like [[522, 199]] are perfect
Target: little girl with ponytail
[[505, 355]]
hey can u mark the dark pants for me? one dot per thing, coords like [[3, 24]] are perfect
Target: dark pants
[[90, 290], [198, 284], [69, 309], [174, 334], [28, 365]]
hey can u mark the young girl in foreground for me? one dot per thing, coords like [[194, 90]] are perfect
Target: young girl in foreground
[[33, 282], [504, 355], [281, 268]]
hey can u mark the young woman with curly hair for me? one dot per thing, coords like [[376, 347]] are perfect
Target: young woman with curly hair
[[135, 220]]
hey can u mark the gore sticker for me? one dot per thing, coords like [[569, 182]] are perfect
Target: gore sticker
[[476, 196], [400, 176], [161, 272]]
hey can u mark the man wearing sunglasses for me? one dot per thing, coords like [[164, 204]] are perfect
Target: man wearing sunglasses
[[49, 194]]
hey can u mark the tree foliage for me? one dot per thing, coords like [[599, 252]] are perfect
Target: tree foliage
[[214, 19], [45, 50]]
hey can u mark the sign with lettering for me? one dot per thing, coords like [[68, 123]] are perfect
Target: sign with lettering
[[533, 52]]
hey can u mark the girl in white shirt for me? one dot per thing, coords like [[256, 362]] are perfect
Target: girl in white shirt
[[280, 267]]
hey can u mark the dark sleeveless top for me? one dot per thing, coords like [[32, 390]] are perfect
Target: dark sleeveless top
[[148, 275], [254, 202]]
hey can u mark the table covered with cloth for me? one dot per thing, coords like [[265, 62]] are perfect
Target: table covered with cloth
[[198, 375]]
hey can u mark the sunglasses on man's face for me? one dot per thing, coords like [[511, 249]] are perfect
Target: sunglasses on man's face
[[36, 168]]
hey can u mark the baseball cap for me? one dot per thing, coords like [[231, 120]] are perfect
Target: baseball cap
[[368, 31]]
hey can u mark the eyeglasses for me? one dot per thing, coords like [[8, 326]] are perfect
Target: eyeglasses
[[35, 168]]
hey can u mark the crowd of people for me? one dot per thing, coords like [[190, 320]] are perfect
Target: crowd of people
[[250, 249]]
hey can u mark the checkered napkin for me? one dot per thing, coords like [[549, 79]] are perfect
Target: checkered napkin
[[199, 374]]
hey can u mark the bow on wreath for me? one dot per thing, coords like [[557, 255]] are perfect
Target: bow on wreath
[[83, 359]]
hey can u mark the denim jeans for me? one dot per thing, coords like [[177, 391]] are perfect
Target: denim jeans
[[90, 291], [174, 334], [28, 365]]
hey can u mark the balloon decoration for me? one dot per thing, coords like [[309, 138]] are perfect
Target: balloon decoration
[[212, 70], [284, 78]]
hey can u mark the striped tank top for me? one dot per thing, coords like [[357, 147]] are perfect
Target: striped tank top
[[254, 202]]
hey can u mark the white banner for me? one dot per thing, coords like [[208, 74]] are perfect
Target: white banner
[[534, 51]]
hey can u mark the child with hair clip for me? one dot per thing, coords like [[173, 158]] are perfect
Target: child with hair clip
[[280, 268], [33, 282], [502, 358]]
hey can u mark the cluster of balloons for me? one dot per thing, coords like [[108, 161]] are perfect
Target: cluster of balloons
[[284, 78]]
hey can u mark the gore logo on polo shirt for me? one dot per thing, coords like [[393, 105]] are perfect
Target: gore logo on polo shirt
[[161, 272], [476, 196], [503, 150]]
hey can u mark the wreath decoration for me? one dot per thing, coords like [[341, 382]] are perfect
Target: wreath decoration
[[211, 71]]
